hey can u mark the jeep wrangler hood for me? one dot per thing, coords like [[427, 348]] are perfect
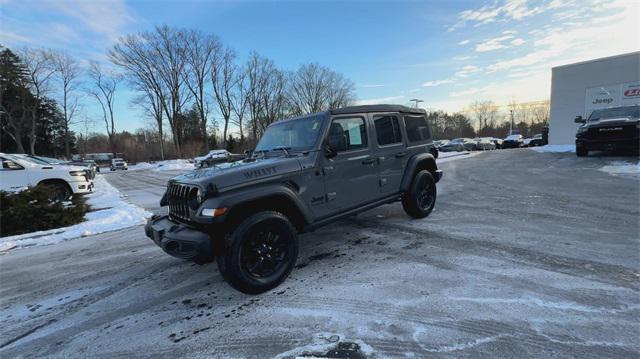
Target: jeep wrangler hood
[[240, 172]]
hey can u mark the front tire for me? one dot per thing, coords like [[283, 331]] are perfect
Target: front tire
[[60, 190], [582, 152], [260, 253], [419, 200]]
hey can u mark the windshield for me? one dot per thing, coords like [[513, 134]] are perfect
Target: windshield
[[298, 134], [617, 112], [36, 160], [513, 137], [457, 140]]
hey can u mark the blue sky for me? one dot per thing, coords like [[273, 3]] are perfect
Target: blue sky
[[448, 53]]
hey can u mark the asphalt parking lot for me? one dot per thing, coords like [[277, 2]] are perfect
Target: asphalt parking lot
[[526, 255]]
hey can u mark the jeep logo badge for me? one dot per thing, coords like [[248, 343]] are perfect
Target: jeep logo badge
[[610, 129], [261, 172]]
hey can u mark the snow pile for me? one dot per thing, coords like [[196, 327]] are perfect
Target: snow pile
[[142, 166], [555, 148], [109, 212], [622, 168], [174, 165], [169, 165]]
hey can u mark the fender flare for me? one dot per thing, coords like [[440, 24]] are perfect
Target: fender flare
[[249, 194], [420, 161]]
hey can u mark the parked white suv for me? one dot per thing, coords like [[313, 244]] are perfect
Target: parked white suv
[[119, 164], [19, 172]]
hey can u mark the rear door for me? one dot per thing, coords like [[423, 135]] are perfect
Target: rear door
[[13, 176], [390, 150], [351, 176], [418, 134]]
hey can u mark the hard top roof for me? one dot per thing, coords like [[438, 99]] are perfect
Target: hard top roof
[[376, 108]]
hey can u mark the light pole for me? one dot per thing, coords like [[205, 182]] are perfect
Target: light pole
[[416, 101], [511, 124]]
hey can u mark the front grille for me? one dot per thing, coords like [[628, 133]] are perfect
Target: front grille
[[620, 132], [179, 196]]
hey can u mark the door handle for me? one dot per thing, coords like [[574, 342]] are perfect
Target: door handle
[[401, 154], [368, 161]]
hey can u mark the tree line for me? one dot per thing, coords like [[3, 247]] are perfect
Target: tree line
[[186, 81], [487, 119], [195, 94]]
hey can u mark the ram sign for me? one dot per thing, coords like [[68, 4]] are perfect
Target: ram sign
[[625, 94]]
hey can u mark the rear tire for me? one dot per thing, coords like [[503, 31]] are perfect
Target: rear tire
[[419, 200], [260, 253]]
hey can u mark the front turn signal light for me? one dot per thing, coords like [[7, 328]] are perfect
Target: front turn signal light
[[213, 212]]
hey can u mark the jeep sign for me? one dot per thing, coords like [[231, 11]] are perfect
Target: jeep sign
[[612, 96]]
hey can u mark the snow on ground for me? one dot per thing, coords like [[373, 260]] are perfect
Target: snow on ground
[[169, 165], [451, 156], [622, 168], [555, 148], [109, 212]]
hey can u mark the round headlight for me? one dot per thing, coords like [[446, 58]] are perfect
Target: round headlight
[[199, 195]]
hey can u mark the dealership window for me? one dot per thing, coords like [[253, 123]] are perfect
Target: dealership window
[[417, 128], [387, 130]]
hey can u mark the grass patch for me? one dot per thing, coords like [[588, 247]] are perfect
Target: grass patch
[[33, 210]]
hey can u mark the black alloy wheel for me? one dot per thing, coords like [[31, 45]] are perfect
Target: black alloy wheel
[[260, 252]]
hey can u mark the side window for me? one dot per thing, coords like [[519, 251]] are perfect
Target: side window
[[387, 130], [10, 165], [348, 133], [417, 128]]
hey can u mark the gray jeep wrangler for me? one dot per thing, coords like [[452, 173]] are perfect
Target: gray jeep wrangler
[[305, 173]]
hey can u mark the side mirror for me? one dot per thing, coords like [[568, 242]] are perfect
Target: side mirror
[[329, 152], [579, 119]]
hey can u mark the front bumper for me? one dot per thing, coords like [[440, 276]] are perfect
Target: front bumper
[[82, 187], [608, 145], [178, 240]]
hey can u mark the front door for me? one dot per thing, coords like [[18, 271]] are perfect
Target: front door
[[390, 151], [351, 176]]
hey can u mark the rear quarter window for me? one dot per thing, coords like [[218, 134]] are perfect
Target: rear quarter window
[[417, 128]]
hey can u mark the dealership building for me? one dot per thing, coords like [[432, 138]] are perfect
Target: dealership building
[[578, 89]]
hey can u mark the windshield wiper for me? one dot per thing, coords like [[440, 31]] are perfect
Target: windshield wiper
[[283, 149]]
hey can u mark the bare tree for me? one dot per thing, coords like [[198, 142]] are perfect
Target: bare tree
[[151, 103], [103, 89], [484, 112], [40, 71], [314, 88], [224, 79], [155, 62], [240, 102], [68, 73], [203, 54]]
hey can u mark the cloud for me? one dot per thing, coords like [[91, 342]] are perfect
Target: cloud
[[71, 24], [460, 73], [10, 37], [105, 17], [465, 71], [374, 101], [435, 83], [370, 86], [467, 92], [493, 44], [598, 36], [464, 42], [464, 58], [501, 11]]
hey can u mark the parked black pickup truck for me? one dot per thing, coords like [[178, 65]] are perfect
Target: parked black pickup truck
[[616, 128]]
